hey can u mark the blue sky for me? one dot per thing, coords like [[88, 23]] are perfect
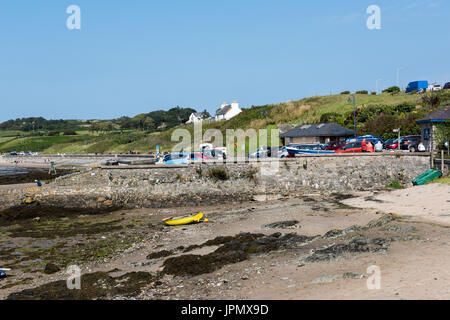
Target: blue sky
[[137, 56]]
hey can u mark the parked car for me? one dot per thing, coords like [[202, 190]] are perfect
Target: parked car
[[199, 156], [261, 152], [334, 145], [387, 142], [394, 144], [417, 86], [371, 138], [447, 86], [410, 143], [13, 153], [357, 147], [278, 152], [434, 87]]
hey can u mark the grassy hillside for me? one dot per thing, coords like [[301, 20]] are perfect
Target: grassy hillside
[[377, 114]]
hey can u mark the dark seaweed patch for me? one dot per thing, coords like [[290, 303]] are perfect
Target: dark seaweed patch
[[99, 285]]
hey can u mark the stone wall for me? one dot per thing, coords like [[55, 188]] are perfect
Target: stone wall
[[157, 186]]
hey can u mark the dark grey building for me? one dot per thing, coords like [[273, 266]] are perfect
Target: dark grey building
[[428, 126]]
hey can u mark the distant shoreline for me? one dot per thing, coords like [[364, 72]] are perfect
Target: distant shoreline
[[25, 165]]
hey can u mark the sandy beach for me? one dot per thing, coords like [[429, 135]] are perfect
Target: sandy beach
[[351, 232]]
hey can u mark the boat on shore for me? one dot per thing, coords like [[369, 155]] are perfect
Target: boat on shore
[[307, 149], [186, 219]]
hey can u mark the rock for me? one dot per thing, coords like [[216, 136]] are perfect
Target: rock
[[281, 224], [37, 219], [327, 278], [353, 275], [51, 268]]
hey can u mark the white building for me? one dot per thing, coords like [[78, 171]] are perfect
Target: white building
[[228, 111], [194, 118]]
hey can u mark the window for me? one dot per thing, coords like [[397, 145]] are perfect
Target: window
[[357, 145], [426, 134]]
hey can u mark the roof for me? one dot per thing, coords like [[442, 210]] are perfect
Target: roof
[[223, 110], [319, 130], [197, 114], [440, 115]]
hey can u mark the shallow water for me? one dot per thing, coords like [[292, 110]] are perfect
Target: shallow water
[[8, 171]]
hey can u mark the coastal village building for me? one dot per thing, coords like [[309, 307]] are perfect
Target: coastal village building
[[428, 126], [227, 111], [316, 133], [194, 118]]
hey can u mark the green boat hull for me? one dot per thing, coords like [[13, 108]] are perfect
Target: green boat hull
[[428, 176]]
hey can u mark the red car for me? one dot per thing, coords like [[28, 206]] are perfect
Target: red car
[[357, 147], [394, 144], [334, 145]]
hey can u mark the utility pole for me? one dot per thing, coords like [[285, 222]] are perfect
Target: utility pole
[[265, 114]]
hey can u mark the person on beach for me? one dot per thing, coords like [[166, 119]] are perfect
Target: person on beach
[[39, 184]]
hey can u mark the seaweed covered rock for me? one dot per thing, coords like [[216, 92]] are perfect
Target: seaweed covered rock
[[357, 245], [97, 285], [238, 249]]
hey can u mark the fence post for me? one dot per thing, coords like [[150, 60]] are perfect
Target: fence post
[[442, 162]]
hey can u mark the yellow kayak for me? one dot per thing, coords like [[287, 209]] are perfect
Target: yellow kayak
[[187, 219]]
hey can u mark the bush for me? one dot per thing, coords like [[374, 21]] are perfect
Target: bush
[[393, 89], [69, 133], [53, 133], [373, 93], [331, 117], [345, 92], [394, 185], [218, 174], [362, 92]]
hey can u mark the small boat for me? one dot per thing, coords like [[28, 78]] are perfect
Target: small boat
[[307, 149], [182, 220]]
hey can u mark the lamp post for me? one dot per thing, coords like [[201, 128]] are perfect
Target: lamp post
[[398, 130], [354, 112], [265, 114]]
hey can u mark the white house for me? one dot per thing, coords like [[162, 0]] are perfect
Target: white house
[[194, 118], [228, 111]]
